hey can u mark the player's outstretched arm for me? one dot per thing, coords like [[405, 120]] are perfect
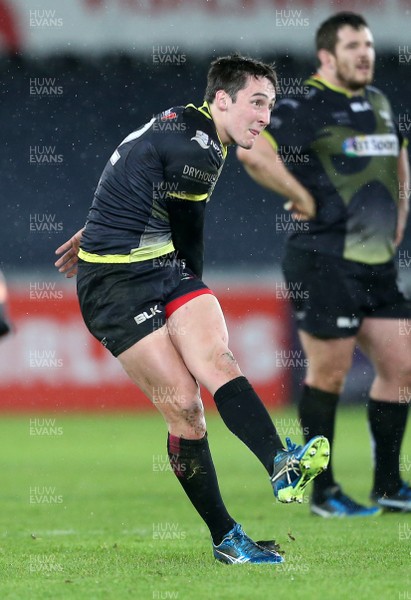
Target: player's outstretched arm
[[265, 166], [68, 262]]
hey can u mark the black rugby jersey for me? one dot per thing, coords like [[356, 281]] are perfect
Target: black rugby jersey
[[176, 155], [344, 149]]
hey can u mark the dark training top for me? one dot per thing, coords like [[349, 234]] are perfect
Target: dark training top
[[152, 193], [344, 149]]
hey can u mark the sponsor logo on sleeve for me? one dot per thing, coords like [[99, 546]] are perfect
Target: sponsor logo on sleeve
[[204, 141], [168, 115]]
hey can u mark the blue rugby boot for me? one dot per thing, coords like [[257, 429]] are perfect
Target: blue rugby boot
[[398, 502], [237, 548], [296, 466], [334, 503]]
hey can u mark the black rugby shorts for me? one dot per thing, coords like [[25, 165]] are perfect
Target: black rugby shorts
[[123, 303], [331, 296]]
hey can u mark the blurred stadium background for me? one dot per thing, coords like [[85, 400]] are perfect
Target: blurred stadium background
[[76, 78]]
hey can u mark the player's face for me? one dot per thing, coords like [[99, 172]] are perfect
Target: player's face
[[354, 58], [250, 113]]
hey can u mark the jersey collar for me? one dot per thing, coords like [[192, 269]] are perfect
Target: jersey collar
[[334, 88], [204, 109]]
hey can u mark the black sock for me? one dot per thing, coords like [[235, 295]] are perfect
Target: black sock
[[317, 413], [246, 416], [192, 464], [387, 424]]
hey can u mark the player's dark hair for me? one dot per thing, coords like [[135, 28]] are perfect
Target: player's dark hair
[[327, 33], [230, 73]]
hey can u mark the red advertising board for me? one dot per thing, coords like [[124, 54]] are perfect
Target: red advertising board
[[51, 361], [172, 31]]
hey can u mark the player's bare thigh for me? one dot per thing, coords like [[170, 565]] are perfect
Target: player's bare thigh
[[387, 343], [156, 367], [329, 361], [199, 333]]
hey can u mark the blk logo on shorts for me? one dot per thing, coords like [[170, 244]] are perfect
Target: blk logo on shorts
[[144, 316], [347, 322]]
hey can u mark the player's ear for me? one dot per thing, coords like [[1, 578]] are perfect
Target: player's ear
[[325, 57], [221, 100]]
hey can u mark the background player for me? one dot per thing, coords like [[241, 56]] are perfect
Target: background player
[[339, 158], [141, 293]]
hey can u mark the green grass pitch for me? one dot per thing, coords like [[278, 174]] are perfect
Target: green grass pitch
[[90, 510]]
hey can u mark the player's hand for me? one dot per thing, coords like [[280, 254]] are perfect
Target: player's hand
[[302, 208], [67, 263]]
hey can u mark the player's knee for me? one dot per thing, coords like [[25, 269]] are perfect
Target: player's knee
[[335, 385], [223, 360], [402, 372], [332, 381], [329, 375], [395, 371]]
